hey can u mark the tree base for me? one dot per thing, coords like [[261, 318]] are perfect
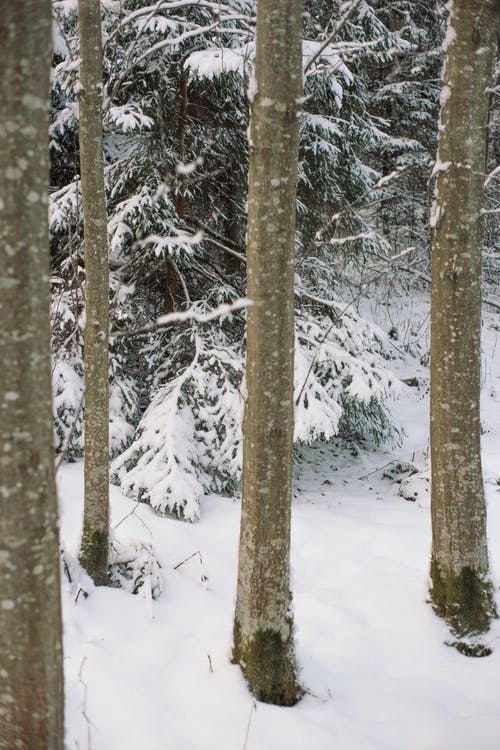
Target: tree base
[[466, 601], [94, 554], [469, 648], [268, 665]]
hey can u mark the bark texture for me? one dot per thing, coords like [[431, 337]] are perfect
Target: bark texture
[[31, 678], [460, 589], [95, 541], [263, 627]]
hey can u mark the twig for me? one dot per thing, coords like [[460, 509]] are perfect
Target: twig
[[84, 705], [132, 512], [253, 708], [379, 468], [210, 667], [66, 570], [189, 558], [139, 518], [81, 591]]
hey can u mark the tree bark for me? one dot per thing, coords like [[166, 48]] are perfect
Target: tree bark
[[31, 677], [95, 540], [461, 591], [263, 627]]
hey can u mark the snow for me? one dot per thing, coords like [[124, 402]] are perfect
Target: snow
[[450, 34], [440, 166], [150, 674], [212, 62], [252, 88], [436, 214]]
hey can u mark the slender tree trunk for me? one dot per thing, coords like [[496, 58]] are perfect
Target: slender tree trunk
[[461, 591], [263, 627], [31, 678], [171, 277], [95, 540]]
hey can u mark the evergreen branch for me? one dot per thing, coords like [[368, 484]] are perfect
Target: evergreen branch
[[69, 436], [342, 20], [175, 5], [336, 319]]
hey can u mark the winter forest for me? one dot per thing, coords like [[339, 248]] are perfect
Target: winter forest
[[249, 375]]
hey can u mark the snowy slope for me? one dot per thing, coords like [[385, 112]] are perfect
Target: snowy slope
[[152, 675]]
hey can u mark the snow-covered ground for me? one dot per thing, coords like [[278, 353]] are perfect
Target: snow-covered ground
[[152, 675]]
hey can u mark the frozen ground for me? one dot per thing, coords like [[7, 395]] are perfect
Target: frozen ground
[[143, 675]]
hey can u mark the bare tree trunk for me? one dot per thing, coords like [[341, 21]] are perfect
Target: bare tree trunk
[[95, 540], [31, 677], [263, 627], [461, 591]]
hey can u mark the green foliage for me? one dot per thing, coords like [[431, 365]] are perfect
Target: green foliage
[[175, 139]]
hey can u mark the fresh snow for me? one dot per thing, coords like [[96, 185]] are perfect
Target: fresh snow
[[150, 674]]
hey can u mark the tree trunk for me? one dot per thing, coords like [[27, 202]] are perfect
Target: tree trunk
[[31, 677], [461, 591], [171, 278], [263, 628], [95, 540]]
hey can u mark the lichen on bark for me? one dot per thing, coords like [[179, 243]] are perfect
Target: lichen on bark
[[94, 553], [268, 663], [464, 599]]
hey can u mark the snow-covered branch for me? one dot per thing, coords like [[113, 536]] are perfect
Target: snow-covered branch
[[185, 316], [348, 13]]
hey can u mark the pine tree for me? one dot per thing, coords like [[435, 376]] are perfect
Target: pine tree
[[31, 672], [95, 540], [461, 590], [263, 625]]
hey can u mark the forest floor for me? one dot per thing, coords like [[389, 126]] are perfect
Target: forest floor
[[378, 675]]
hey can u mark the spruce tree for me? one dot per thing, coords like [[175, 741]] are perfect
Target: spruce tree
[[175, 89]]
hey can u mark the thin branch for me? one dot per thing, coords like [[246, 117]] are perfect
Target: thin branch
[[195, 554], [253, 708], [132, 512], [84, 704], [379, 468], [332, 36], [491, 302]]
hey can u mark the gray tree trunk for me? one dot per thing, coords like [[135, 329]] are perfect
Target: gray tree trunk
[[263, 627], [461, 591], [95, 540], [31, 677]]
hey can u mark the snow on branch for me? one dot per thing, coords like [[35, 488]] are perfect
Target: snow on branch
[[342, 20], [187, 315]]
